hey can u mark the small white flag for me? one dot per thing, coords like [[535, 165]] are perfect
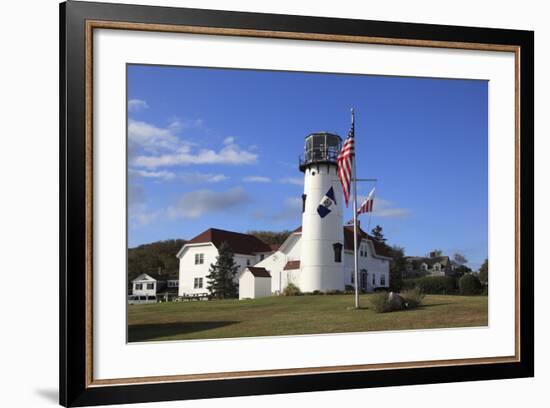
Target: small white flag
[[368, 204]]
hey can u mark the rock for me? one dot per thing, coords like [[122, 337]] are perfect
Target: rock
[[396, 301]]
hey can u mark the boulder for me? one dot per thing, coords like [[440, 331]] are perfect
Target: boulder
[[396, 301]]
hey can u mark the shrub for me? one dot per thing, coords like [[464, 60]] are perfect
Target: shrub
[[413, 297], [292, 290], [469, 284], [434, 285], [334, 292], [379, 302]]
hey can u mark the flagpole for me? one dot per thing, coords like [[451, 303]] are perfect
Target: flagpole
[[355, 259]]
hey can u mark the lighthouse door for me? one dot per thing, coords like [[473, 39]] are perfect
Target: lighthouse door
[[363, 280]]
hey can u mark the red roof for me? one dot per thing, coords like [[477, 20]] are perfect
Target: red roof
[[259, 272], [348, 241], [292, 265], [239, 243], [274, 247]]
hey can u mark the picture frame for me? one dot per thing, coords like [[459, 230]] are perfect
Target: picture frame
[[78, 20]]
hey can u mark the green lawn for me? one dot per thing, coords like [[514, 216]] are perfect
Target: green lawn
[[282, 315]]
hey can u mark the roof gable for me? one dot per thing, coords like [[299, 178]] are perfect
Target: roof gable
[[240, 243], [379, 249], [259, 272], [144, 277]]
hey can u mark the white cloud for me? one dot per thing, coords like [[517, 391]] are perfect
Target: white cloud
[[196, 178], [150, 137], [178, 124], [387, 209], [291, 210], [151, 147], [231, 154], [158, 175], [136, 105], [197, 203], [298, 181], [257, 179], [138, 215]]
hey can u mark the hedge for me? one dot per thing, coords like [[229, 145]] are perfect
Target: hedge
[[433, 285], [469, 284]]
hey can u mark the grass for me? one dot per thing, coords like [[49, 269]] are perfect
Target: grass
[[292, 315]]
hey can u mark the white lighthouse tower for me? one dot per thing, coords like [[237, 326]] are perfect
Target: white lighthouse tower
[[322, 247]]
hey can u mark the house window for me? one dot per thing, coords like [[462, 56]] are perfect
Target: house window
[[150, 286], [365, 252], [198, 283], [373, 279], [304, 202], [352, 278], [173, 283], [382, 280], [261, 257], [139, 286], [199, 259], [337, 252], [248, 262]]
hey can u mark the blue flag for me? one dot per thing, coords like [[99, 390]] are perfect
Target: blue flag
[[326, 202]]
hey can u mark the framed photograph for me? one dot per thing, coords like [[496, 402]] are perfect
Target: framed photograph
[[257, 204]]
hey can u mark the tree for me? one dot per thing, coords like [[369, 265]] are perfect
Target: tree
[[459, 258], [221, 279], [397, 266], [377, 235], [484, 272], [271, 237], [461, 270], [469, 284]]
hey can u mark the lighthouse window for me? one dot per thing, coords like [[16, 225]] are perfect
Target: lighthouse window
[[304, 196], [337, 252]]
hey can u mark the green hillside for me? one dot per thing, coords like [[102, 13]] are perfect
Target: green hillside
[[148, 258]]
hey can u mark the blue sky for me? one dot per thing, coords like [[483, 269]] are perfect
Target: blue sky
[[219, 148]]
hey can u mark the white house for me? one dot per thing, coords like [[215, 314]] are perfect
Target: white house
[[144, 285], [201, 251], [153, 287], [254, 283], [373, 260]]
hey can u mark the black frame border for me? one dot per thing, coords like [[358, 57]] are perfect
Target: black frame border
[[72, 124]]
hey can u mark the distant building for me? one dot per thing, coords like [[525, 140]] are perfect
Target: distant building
[[154, 287], [416, 266]]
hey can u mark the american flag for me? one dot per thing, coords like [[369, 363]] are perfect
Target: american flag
[[366, 206], [345, 162]]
